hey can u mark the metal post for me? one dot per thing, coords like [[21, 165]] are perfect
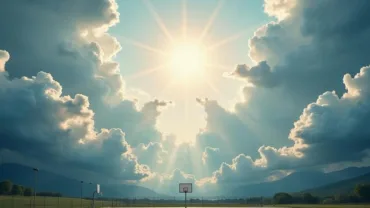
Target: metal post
[[34, 196], [93, 203], [1, 166], [81, 191], [185, 199]]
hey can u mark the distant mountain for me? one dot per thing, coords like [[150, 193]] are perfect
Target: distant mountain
[[52, 182], [341, 187], [297, 181]]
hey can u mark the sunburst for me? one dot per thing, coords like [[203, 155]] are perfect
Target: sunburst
[[186, 57]]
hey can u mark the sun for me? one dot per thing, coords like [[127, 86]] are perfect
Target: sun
[[187, 61]]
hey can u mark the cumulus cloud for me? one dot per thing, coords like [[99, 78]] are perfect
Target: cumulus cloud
[[224, 130], [260, 75], [279, 8], [330, 125], [169, 183], [65, 39], [313, 48], [140, 125], [69, 42], [301, 55], [4, 57], [40, 123], [152, 154], [337, 124]]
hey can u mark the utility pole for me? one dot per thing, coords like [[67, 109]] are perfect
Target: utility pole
[[1, 166], [36, 170], [82, 182]]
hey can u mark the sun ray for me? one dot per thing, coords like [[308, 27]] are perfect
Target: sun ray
[[186, 104], [213, 87], [184, 19], [166, 87], [158, 19], [219, 66], [172, 158], [145, 72], [227, 40], [211, 19], [198, 166], [143, 46]]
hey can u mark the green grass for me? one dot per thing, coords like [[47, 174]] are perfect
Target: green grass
[[48, 202], [327, 206], [54, 202]]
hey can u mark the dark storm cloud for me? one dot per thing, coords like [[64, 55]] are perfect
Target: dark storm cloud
[[68, 40], [326, 127], [307, 52], [337, 124], [260, 74], [39, 123]]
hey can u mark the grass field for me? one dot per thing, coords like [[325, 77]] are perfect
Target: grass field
[[54, 202]]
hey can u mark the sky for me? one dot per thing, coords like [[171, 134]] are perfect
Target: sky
[[216, 93], [209, 17]]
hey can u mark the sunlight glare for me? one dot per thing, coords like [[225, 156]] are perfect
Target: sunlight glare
[[187, 61]]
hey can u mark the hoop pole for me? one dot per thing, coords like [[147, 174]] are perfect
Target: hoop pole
[[93, 202], [185, 199]]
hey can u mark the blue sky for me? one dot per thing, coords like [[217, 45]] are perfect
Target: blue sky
[[138, 24], [296, 91]]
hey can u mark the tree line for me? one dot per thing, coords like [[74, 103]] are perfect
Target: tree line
[[8, 188], [360, 194]]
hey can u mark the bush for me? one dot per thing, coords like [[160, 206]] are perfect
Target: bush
[[6, 187], [17, 190], [283, 198], [28, 192]]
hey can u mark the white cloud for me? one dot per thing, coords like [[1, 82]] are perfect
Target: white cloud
[[38, 122]]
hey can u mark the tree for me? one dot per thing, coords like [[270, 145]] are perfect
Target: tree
[[309, 199], [28, 192], [17, 190], [344, 198], [363, 191], [6, 187], [283, 198]]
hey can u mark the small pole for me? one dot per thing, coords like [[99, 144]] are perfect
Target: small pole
[[1, 166], [185, 199], [34, 196], [93, 204], [81, 191]]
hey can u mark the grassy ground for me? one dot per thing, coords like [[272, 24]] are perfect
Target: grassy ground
[[53, 202], [328, 206], [48, 202]]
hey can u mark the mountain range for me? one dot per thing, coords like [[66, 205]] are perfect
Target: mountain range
[[315, 182], [297, 182], [341, 187], [51, 182]]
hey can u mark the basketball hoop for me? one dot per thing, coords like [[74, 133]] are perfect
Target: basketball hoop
[[185, 188]]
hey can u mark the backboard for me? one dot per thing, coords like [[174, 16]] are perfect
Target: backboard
[[185, 188], [98, 188]]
